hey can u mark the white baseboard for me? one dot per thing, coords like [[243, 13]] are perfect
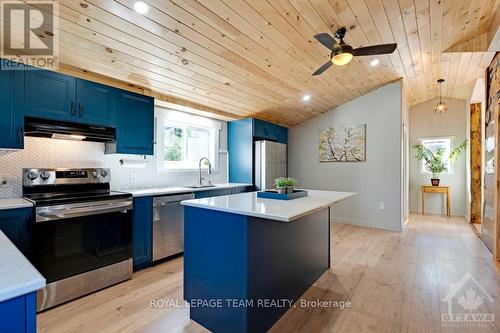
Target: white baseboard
[[436, 213], [365, 224]]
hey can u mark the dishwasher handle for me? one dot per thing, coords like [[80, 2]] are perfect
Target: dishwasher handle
[[171, 199]]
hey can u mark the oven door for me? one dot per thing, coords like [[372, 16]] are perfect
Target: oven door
[[77, 238]]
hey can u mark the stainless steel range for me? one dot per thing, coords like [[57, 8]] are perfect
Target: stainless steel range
[[82, 235]]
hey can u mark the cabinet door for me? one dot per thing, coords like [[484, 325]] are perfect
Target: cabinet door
[[50, 95], [134, 124], [12, 109], [142, 232], [240, 147], [281, 134], [213, 193], [242, 189], [96, 103], [264, 130], [16, 225]]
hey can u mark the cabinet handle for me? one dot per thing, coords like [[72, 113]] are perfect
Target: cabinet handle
[[73, 108], [21, 134], [80, 110]]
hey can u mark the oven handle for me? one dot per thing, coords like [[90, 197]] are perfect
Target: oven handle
[[92, 209]]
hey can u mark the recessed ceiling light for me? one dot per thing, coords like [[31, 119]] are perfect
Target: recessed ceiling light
[[305, 98], [374, 62], [141, 7]]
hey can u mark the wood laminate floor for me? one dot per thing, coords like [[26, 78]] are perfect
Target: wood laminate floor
[[394, 281]]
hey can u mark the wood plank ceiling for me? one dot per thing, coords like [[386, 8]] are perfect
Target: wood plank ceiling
[[255, 57]]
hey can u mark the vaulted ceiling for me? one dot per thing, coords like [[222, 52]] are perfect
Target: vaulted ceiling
[[255, 57]]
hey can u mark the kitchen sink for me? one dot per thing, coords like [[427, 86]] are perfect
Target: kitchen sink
[[200, 186]]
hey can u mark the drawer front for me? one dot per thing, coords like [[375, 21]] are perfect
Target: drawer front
[[430, 189]]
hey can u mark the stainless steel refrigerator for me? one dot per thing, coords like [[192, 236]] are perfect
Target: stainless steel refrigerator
[[270, 163]]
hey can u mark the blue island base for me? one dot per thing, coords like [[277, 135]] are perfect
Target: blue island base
[[242, 273]]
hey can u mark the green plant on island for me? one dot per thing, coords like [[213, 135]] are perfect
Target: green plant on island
[[280, 182]]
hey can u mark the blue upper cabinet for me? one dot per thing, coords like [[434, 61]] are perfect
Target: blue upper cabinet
[[264, 130], [50, 95], [281, 134], [12, 109], [56, 96], [134, 125], [96, 103]]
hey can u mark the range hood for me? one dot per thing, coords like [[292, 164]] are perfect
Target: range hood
[[44, 128]]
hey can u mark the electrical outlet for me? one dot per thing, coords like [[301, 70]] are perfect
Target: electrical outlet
[[133, 177], [381, 205]]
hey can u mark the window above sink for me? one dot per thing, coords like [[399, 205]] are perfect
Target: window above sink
[[182, 139]]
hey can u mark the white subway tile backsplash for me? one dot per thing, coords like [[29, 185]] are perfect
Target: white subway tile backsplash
[[51, 153]]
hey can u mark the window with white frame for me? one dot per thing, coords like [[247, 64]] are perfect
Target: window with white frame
[[183, 139], [433, 144]]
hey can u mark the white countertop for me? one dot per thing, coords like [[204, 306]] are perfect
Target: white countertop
[[17, 275], [175, 190], [279, 210], [14, 203]]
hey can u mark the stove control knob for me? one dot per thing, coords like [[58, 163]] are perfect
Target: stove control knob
[[45, 175], [104, 173], [32, 175], [95, 174]]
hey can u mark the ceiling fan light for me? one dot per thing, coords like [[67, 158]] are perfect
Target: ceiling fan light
[[342, 59]]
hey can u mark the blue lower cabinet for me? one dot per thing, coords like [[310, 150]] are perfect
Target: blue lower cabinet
[[16, 224], [242, 189], [213, 193], [142, 232], [18, 315]]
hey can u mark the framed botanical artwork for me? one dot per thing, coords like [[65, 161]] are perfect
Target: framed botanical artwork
[[343, 144]]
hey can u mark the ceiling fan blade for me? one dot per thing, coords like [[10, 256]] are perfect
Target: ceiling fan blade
[[375, 49], [326, 40], [323, 68]]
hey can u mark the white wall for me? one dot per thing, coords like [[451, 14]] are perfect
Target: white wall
[[424, 123], [51, 153], [376, 180]]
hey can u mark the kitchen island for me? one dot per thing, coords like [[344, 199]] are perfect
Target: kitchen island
[[247, 260]]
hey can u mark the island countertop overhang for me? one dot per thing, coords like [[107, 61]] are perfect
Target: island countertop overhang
[[279, 210]]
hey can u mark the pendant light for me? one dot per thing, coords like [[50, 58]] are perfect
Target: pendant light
[[441, 107]]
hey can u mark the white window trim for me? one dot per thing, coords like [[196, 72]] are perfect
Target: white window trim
[[451, 170], [163, 115]]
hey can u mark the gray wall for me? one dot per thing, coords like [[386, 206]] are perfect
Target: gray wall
[[424, 123], [376, 180]]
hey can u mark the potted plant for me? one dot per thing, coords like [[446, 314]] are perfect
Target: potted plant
[[285, 185], [435, 162]]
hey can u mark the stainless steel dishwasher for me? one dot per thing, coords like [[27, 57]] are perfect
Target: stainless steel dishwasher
[[168, 225]]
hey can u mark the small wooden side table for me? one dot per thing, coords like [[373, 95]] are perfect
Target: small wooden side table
[[437, 189]]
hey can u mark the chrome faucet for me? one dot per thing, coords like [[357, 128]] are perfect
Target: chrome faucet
[[209, 171]]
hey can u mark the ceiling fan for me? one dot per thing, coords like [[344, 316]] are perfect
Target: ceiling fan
[[342, 53]]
